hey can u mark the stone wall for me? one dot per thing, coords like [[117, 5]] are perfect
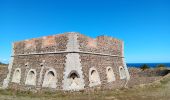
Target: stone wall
[[54, 43], [3, 73], [61, 56], [101, 63], [37, 62], [102, 52], [139, 76], [101, 44]]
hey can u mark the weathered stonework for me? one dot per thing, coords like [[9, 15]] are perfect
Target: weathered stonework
[[69, 62]]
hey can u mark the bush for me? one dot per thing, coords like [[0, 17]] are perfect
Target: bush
[[3, 63], [144, 66], [161, 66]]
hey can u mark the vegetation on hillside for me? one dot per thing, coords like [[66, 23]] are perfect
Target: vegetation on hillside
[[144, 67], [2, 63], [161, 66]]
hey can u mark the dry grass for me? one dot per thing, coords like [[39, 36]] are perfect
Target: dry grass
[[3, 65], [154, 91]]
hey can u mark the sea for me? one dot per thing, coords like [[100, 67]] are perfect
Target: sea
[[152, 65]]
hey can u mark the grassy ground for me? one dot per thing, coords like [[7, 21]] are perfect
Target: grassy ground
[[159, 91]]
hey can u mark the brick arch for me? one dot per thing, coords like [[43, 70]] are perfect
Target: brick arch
[[110, 74], [73, 73], [94, 77], [74, 80], [16, 76], [31, 77], [50, 79], [122, 72]]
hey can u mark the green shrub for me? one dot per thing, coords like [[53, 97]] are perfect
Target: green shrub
[[2, 63], [144, 66], [161, 66]]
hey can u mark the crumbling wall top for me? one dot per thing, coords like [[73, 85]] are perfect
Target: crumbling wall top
[[59, 43]]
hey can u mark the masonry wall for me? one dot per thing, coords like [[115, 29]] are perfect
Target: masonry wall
[[26, 63], [53, 43], [101, 44], [101, 63], [25, 59], [3, 72], [104, 52], [59, 53]]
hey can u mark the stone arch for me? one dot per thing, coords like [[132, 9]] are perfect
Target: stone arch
[[50, 79], [94, 77], [122, 72], [73, 74], [74, 80], [16, 76], [31, 77], [110, 74]]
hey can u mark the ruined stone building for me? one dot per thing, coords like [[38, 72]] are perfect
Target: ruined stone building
[[69, 61]]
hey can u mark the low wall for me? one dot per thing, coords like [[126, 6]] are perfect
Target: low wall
[[145, 77]]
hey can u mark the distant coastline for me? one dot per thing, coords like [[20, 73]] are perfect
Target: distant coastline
[[152, 65]]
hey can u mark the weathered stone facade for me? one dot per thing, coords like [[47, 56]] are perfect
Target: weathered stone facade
[[3, 73], [69, 61]]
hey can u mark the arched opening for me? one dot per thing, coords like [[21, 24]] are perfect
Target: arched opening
[[31, 78], [73, 76], [74, 80], [16, 76], [93, 72], [51, 73], [122, 72], [50, 79], [94, 77], [110, 74]]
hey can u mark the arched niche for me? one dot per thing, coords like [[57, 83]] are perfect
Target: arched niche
[[94, 77], [31, 77], [50, 79], [74, 80], [122, 72], [110, 74], [73, 74], [16, 76]]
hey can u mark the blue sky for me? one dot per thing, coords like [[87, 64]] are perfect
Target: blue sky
[[144, 25]]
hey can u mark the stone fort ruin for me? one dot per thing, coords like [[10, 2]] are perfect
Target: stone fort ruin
[[69, 61]]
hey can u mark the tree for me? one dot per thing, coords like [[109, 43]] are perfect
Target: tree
[[144, 66]]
